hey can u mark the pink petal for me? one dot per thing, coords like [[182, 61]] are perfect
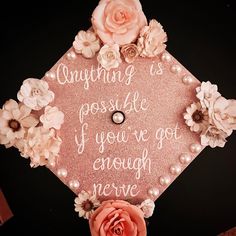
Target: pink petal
[[29, 121]]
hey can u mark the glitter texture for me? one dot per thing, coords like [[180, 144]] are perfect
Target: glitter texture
[[167, 98]]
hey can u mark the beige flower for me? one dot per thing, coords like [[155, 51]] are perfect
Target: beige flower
[[223, 114], [15, 119], [109, 56], [130, 52], [34, 93], [207, 93], [41, 145], [52, 118], [147, 207], [196, 117], [86, 43], [152, 40], [213, 137], [85, 204]]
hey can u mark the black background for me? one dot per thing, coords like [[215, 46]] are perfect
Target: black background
[[202, 201]]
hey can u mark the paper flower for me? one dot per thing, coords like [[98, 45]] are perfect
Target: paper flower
[[109, 57], [196, 117], [207, 93], [117, 218], [222, 113], [147, 207], [130, 52], [213, 137], [35, 94], [52, 118], [85, 204], [86, 43], [118, 21], [14, 120], [41, 145], [152, 40]]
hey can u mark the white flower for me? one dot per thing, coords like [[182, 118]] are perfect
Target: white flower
[[52, 118], [85, 204], [147, 207], [196, 117], [207, 93], [213, 137], [86, 43], [109, 56], [41, 145], [35, 94], [152, 40], [15, 119]]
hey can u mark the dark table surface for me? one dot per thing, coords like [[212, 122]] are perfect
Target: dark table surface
[[202, 201]]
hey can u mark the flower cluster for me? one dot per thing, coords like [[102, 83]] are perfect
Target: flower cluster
[[113, 217], [22, 127], [120, 28], [213, 116]]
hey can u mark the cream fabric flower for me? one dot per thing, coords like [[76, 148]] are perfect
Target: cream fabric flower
[[52, 118], [207, 93], [147, 207], [14, 120], [35, 94], [223, 114], [85, 204], [86, 43], [109, 56], [213, 137], [196, 117], [41, 145], [152, 40]]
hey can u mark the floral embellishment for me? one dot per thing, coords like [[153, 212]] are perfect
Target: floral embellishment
[[118, 21], [223, 114], [15, 119], [213, 137], [86, 43], [41, 146], [152, 40], [130, 52], [109, 57], [85, 204], [34, 93], [118, 217], [207, 94], [147, 207], [52, 118], [214, 117], [196, 117]]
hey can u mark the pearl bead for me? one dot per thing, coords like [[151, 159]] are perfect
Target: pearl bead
[[74, 184], [166, 57], [185, 158], [62, 173], [175, 169], [52, 164], [71, 56], [50, 75], [164, 180], [153, 192], [195, 148], [176, 69], [118, 117], [187, 79]]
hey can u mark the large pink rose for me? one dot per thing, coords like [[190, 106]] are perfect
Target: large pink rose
[[118, 21], [115, 218]]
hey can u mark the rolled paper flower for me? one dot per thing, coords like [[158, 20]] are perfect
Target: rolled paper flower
[[117, 217]]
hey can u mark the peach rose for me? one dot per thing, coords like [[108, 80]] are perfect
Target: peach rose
[[118, 217], [130, 52], [118, 21]]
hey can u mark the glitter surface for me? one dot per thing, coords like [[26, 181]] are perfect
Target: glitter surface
[[153, 101]]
